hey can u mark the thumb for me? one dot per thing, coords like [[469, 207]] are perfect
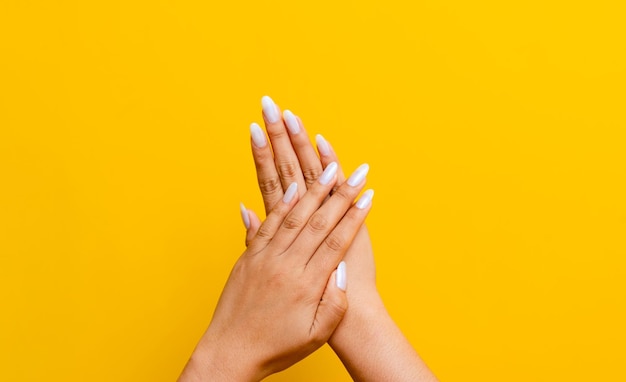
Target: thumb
[[332, 306], [250, 221]]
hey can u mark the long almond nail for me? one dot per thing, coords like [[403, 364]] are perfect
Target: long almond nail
[[328, 173], [258, 136], [291, 121], [322, 145], [340, 277], [290, 193], [365, 200], [358, 175], [270, 109], [244, 215]]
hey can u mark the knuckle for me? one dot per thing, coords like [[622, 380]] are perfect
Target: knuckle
[[318, 223], [344, 194], [269, 185], [288, 170], [264, 232], [293, 222], [311, 175], [277, 131], [336, 309], [335, 242]]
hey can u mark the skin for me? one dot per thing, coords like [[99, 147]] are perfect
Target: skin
[[281, 301], [368, 342]]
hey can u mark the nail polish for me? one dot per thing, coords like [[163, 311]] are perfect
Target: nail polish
[[244, 215], [258, 136], [290, 193], [365, 200], [270, 109], [358, 175], [340, 276], [328, 173], [291, 121], [322, 145]]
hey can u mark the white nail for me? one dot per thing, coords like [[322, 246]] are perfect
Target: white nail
[[365, 200], [290, 193], [258, 136], [358, 175], [270, 109], [328, 173], [340, 277], [244, 215], [322, 145], [291, 121]]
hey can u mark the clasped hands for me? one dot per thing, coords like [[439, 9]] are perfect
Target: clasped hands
[[307, 276]]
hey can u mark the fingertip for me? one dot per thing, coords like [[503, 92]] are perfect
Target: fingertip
[[258, 136], [255, 223], [322, 145], [245, 216], [341, 279], [290, 193]]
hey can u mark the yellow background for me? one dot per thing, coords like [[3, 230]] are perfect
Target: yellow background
[[496, 137]]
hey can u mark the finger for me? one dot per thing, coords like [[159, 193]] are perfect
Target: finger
[[327, 155], [267, 230], [307, 157], [300, 215], [332, 306], [331, 251], [285, 158], [267, 176], [253, 224], [324, 220]]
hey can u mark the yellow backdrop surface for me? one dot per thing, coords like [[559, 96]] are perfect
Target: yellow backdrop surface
[[495, 132]]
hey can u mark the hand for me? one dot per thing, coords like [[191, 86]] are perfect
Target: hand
[[292, 158], [281, 301], [368, 342]]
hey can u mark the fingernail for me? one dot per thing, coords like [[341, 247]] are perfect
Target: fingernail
[[365, 200], [258, 136], [290, 193], [322, 145], [270, 109], [291, 121], [340, 277], [244, 215], [358, 175], [328, 173]]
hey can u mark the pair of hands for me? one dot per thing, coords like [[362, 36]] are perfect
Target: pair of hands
[[286, 295]]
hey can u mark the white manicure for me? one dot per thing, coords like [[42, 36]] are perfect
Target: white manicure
[[328, 173], [322, 145], [291, 121], [340, 277], [270, 109], [365, 200], [290, 193], [244, 215], [358, 175], [258, 136]]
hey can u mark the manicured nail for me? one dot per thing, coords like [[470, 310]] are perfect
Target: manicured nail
[[340, 277], [270, 109], [291, 121], [328, 173], [244, 215], [290, 193], [365, 200], [358, 175], [258, 136], [322, 145]]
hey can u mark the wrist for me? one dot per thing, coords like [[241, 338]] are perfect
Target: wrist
[[216, 362], [365, 310]]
